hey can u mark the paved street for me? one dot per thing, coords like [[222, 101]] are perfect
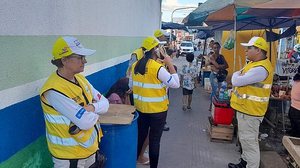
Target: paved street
[[187, 144]]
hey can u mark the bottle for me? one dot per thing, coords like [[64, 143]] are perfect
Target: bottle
[[225, 95], [222, 94], [224, 85]]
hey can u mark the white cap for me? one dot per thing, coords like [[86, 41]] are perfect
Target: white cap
[[257, 42], [65, 46]]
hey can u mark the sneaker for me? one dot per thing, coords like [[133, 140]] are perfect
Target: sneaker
[[183, 108], [242, 164], [188, 107]]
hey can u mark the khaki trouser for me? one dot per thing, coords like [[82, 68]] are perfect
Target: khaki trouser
[[82, 163], [248, 129]]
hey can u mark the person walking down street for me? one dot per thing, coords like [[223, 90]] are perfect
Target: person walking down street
[[294, 112], [250, 98], [218, 63], [188, 77], [71, 107], [149, 82]]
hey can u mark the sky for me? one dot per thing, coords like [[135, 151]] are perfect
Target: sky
[[168, 6]]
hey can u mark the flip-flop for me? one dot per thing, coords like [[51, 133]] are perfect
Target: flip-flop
[[143, 163]]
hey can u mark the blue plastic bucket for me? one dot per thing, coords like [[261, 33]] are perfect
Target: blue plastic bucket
[[119, 144]]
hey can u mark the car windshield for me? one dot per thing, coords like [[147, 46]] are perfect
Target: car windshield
[[186, 45]]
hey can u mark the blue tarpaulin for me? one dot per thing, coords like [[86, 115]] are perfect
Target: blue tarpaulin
[[171, 25]]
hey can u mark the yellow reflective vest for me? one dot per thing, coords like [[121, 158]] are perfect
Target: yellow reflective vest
[[149, 93], [139, 53], [253, 99], [61, 144]]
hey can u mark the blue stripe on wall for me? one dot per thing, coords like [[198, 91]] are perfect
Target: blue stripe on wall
[[103, 80], [23, 123]]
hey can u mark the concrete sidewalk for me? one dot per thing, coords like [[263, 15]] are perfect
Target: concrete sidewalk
[[187, 144]]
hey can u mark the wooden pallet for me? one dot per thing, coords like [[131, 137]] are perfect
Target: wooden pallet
[[220, 133]]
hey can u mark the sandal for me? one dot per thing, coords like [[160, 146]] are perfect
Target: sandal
[[147, 162]]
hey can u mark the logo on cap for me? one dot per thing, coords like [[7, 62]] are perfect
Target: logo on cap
[[77, 43], [64, 50]]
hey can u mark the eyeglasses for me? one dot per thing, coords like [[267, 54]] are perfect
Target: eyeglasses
[[249, 47], [78, 57]]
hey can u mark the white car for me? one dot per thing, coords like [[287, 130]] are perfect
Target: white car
[[186, 47]]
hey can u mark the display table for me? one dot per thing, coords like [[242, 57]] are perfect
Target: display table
[[279, 102]]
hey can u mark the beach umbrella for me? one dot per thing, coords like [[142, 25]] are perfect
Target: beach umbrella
[[204, 11], [276, 8], [269, 15]]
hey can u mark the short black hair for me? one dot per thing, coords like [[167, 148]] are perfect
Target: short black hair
[[190, 57], [297, 75], [218, 44], [170, 51], [58, 63]]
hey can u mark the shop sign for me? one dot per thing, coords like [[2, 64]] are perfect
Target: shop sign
[[285, 68]]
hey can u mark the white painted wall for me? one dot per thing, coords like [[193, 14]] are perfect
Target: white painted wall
[[80, 17]]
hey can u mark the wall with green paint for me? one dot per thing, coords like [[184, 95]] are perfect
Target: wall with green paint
[[35, 155], [28, 30], [27, 58]]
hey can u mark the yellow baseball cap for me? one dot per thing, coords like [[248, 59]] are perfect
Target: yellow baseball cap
[[149, 43], [65, 46], [257, 42]]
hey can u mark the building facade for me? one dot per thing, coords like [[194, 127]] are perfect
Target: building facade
[[28, 30]]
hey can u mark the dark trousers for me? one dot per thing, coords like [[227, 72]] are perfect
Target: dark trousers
[[154, 123], [294, 116]]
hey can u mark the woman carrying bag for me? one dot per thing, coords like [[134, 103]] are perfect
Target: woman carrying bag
[[218, 67]]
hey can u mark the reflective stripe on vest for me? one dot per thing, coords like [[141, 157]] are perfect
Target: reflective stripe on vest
[[60, 143], [70, 141], [261, 85], [57, 119], [150, 99], [148, 85], [251, 97]]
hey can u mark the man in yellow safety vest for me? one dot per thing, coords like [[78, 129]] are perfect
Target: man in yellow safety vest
[[250, 98]]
